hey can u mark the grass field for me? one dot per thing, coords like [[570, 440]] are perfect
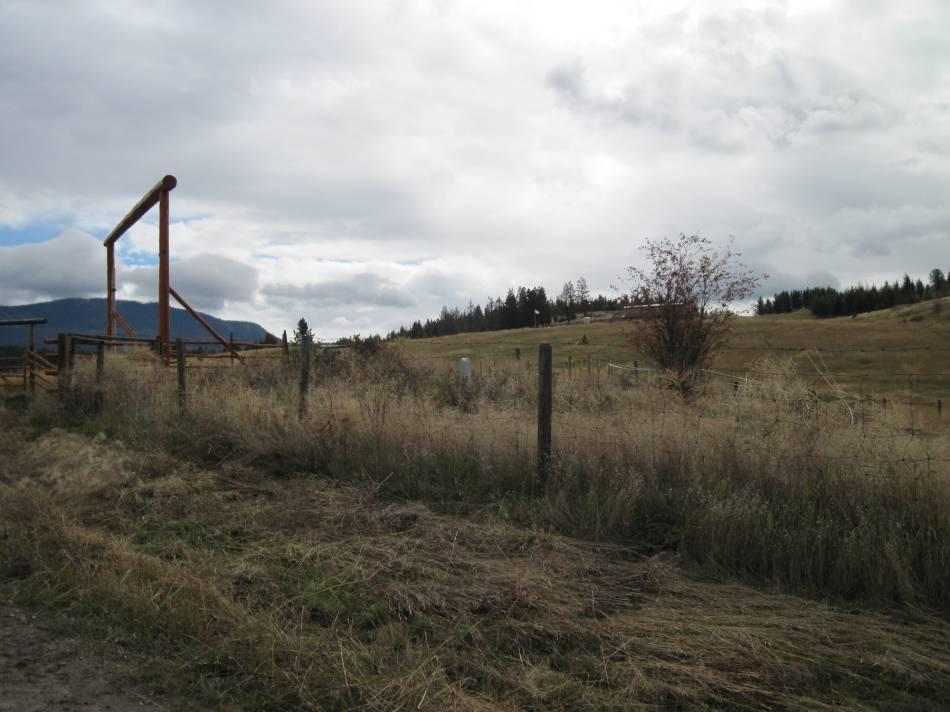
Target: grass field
[[231, 589], [758, 546], [899, 353]]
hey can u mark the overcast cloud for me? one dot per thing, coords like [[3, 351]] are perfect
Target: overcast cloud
[[361, 163]]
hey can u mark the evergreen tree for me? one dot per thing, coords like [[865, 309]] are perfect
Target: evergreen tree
[[582, 294], [938, 282], [303, 330]]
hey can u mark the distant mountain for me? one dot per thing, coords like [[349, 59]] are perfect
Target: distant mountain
[[88, 316]]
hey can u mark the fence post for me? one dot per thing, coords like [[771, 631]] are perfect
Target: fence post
[[67, 361], [231, 343], [180, 362], [31, 348], [465, 369], [100, 372], [517, 354], [304, 374], [61, 363], [910, 403], [545, 406], [285, 347]]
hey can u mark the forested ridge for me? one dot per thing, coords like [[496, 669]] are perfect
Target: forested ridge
[[829, 301]]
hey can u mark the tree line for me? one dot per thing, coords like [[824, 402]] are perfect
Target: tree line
[[521, 307], [828, 301]]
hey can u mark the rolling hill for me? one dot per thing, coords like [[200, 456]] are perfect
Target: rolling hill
[[898, 353], [87, 316]]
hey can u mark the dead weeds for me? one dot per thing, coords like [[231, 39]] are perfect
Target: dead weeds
[[308, 594]]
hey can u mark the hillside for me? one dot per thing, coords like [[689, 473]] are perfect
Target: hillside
[[87, 316], [934, 310], [894, 353]]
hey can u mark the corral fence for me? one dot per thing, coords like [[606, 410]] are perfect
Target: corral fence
[[72, 346], [31, 369]]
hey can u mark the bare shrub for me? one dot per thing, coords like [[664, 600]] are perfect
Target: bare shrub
[[687, 289]]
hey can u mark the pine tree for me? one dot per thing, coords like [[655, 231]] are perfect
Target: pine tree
[[938, 281], [303, 330], [582, 294]]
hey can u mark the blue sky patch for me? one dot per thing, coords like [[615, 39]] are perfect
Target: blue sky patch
[[31, 233], [139, 259]]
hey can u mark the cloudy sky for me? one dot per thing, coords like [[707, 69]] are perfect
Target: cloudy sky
[[361, 163]]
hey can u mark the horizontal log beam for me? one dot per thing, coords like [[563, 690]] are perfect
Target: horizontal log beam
[[22, 322], [95, 339], [148, 200], [211, 342]]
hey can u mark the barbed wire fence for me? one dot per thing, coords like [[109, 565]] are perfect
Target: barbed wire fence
[[498, 411]]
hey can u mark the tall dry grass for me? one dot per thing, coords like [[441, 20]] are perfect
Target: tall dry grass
[[760, 479], [236, 591]]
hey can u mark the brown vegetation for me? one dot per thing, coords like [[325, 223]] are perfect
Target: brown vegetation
[[327, 562]]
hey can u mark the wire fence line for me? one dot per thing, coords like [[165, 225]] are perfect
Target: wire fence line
[[587, 410], [463, 342]]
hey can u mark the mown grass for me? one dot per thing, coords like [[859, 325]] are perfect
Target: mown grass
[[333, 597]]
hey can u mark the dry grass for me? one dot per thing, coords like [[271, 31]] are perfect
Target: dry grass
[[393, 549], [763, 480], [272, 593], [900, 353]]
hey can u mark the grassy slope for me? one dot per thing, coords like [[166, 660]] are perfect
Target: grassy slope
[[257, 593], [892, 353]]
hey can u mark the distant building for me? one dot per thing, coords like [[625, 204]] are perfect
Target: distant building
[[644, 311]]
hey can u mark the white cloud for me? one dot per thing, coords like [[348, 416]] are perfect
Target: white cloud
[[71, 265], [207, 282]]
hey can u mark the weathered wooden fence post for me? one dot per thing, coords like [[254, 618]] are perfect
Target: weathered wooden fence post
[[284, 346], [180, 362], [100, 373], [31, 347], [517, 354], [545, 406], [61, 363], [304, 374], [69, 375], [231, 346]]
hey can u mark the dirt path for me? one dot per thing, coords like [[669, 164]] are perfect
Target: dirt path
[[40, 671]]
